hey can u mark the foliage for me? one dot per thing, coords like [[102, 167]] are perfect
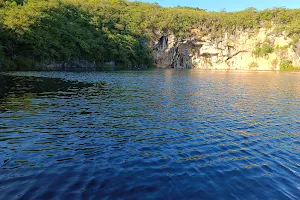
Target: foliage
[[262, 50], [1, 53], [287, 65], [253, 65], [44, 31], [274, 63], [118, 30]]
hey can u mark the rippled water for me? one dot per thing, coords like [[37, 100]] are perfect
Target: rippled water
[[160, 134]]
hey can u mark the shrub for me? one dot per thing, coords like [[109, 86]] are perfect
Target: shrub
[[274, 63], [208, 61], [1, 56], [263, 50], [253, 65], [287, 65], [8, 65], [23, 63]]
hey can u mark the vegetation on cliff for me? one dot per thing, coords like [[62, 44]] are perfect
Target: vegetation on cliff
[[40, 31]]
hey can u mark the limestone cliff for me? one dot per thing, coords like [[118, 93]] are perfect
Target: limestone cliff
[[259, 49]]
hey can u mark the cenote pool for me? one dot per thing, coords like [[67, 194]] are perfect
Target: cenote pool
[[157, 134]]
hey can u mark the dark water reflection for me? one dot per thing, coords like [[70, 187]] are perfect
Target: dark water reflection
[[174, 134]]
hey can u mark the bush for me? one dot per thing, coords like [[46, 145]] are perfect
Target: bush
[[287, 65], [253, 65], [8, 65], [1, 55], [274, 63], [108, 66], [263, 50], [23, 63]]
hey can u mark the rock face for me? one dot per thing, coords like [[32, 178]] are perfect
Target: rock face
[[173, 52], [74, 65], [229, 51]]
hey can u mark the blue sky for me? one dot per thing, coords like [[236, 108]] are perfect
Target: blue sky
[[229, 5]]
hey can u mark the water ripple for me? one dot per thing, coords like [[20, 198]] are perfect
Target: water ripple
[[175, 134]]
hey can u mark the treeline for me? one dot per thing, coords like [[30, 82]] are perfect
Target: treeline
[[41, 31]]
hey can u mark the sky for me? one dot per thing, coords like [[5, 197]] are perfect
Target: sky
[[228, 5]]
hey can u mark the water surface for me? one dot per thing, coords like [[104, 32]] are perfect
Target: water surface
[[160, 134]]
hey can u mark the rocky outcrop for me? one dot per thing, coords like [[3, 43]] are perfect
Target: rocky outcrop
[[259, 49], [71, 65], [173, 52]]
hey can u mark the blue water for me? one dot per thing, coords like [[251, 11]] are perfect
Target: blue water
[[158, 134]]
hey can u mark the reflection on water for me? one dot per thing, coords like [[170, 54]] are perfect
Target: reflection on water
[[172, 134]]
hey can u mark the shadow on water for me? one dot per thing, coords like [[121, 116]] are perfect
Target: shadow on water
[[20, 90]]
